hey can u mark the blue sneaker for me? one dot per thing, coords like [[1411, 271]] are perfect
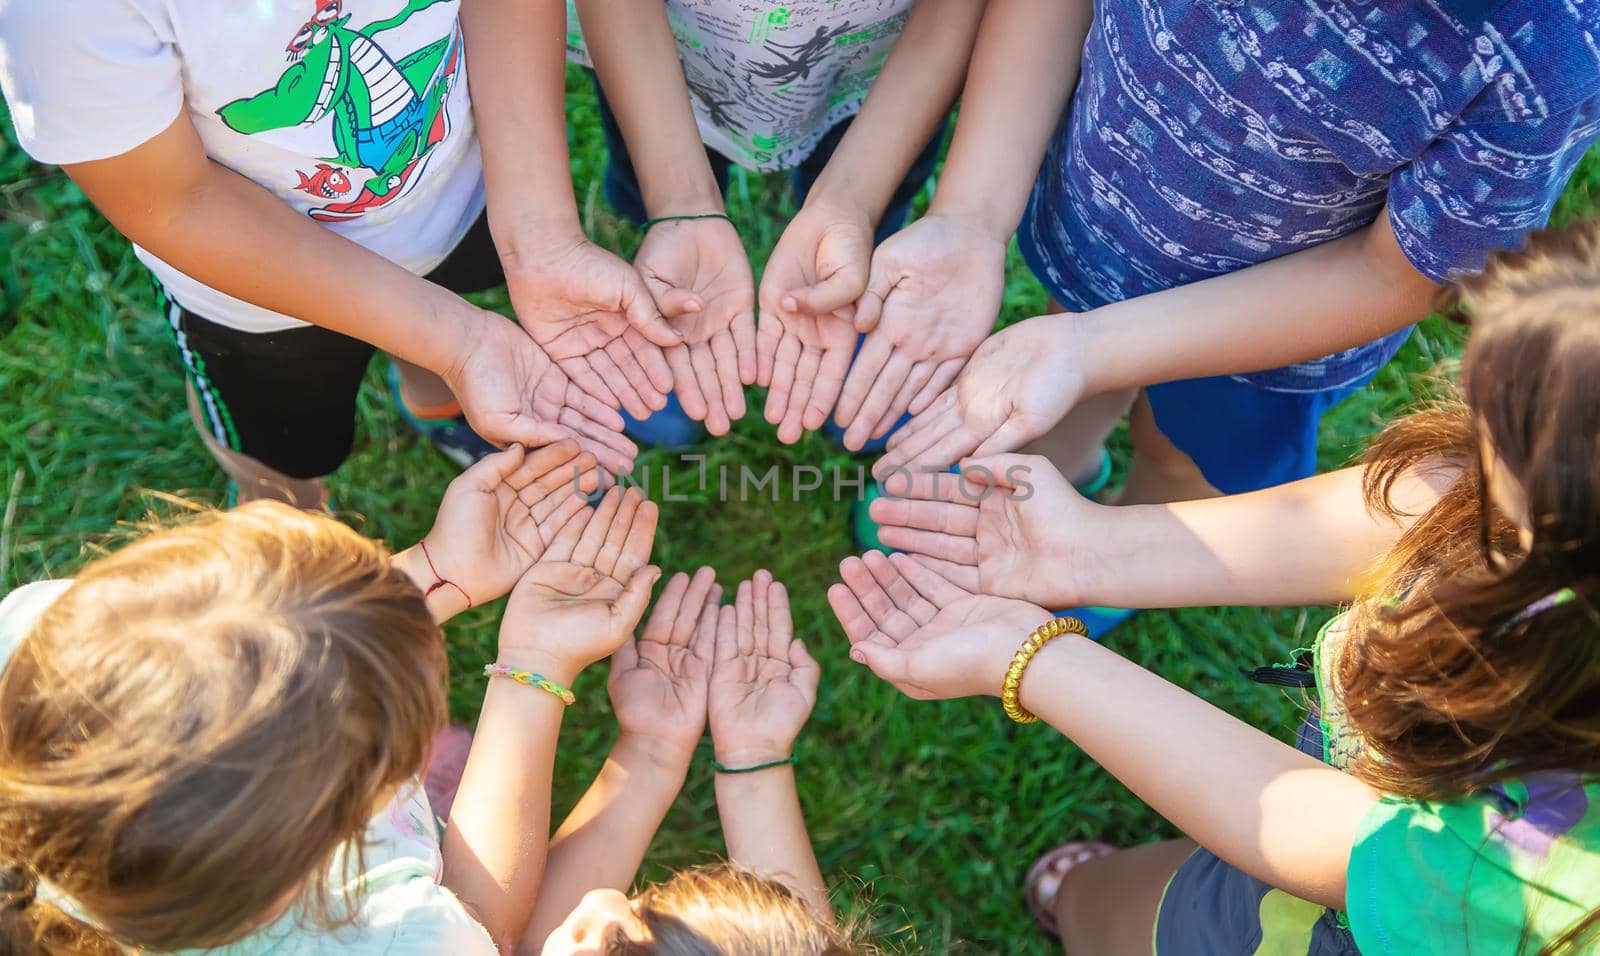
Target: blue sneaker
[[668, 428], [454, 438]]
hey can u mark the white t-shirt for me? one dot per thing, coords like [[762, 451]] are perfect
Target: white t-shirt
[[768, 80], [354, 112], [403, 910]]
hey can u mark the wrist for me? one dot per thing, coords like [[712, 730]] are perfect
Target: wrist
[[522, 232], [979, 220], [752, 753], [552, 667], [443, 602], [653, 757]]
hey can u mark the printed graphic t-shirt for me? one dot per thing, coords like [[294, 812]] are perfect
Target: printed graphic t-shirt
[[403, 911], [1501, 871], [767, 80], [1209, 135], [353, 112]]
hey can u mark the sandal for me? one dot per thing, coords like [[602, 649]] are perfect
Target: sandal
[[1045, 876]]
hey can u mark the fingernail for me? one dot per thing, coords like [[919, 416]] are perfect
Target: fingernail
[[857, 656]]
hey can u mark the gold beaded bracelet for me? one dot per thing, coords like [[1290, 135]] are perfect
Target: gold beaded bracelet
[[1012, 685]]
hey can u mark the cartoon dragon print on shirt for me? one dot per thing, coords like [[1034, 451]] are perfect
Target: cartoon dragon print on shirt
[[388, 114]]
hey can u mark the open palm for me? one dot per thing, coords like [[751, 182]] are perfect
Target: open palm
[[582, 599], [924, 634], [658, 681], [763, 681]]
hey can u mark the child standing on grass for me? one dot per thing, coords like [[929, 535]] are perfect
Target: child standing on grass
[[210, 740], [304, 182], [1242, 208], [1443, 797], [688, 88], [739, 669]]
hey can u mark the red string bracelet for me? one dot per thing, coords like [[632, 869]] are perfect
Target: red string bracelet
[[439, 580]]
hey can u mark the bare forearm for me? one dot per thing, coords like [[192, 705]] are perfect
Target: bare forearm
[[1292, 309], [909, 101], [444, 602], [765, 832], [518, 79], [1009, 114], [1307, 542], [494, 847], [230, 234], [605, 838], [1233, 789], [636, 57]]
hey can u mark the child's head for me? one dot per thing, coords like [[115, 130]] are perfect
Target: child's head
[[190, 733], [706, 911], [1489, 665]]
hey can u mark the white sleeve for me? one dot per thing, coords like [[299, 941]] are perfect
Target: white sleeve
[[86, 79], [426, 920]]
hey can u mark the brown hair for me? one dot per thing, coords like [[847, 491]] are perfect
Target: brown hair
[[1459, 673], [200, 723], [721, 910]]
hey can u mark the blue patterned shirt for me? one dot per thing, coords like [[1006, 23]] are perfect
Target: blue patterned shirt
[[1209, 135]]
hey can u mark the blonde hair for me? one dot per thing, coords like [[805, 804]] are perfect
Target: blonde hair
[[190, 734], [721, 910]]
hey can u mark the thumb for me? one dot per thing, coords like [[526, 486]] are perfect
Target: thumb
[[640, 310], [674, 302], [520, 428], [835, 292], [636, 596], [1000, 471], [869, 308], [626, 657], [889, 663], [490, 471]]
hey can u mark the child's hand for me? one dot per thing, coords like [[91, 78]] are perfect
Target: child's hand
[[763, 682], [496, 517], [582, 599], [804, 336], [512, 392], [1008, 525], [932, 298], [924, 634], [658, 682], [699, 274], [591, 311], [1021, 381]]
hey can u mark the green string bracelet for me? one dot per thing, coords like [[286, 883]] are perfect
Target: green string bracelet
[[689, 218], [790, 760]]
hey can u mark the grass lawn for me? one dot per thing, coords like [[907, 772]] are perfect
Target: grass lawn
[[923, 814]]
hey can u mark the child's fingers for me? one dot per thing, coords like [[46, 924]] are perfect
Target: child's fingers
[[942, 404], [725, 356], [566, 539], [941, 517], [664, 616], [556, 519], [694, 602], [781, 376], [745, 616], [988, 472], [791, 427], [726, 645], [948, 547], [582, 376], [541, 470], [490, 471], [878, 398], [963, 576], [900, 591], [640, 309], [594, 533], [649, 356], [768, 336], [636, 597], [611, 548], [888, 618], [620, 376], [864, 371], [703, 647], [743, 331], [828, 381], [705, 376], [760, 585], [555, 490], [889, 663], [939, 591], [641, 539], [857, 623], [684, 383], [944, 375], [913, 449], [626, 357], [780, 625]]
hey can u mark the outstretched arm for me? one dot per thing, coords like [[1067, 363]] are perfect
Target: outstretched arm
[[658, 690], [763, 686], [1232, 788]]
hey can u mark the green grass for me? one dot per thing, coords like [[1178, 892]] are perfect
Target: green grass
[[926, 813]]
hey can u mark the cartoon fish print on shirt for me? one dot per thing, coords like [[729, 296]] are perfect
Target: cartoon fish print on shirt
[[388, 114], [327, 182]]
